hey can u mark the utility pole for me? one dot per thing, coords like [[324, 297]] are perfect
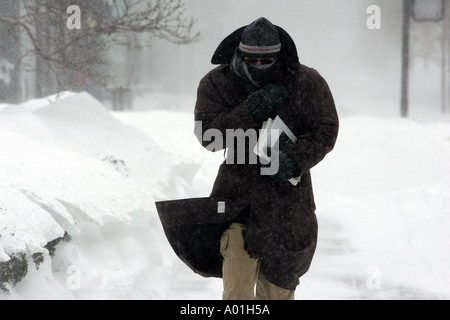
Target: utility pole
[[404, 107], [422, 11], [445, 77]]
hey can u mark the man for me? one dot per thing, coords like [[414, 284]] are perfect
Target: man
[[271, 243]]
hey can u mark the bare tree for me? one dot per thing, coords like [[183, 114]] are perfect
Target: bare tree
[[63, 54]]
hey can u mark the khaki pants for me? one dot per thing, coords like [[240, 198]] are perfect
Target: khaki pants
[[241, 273]]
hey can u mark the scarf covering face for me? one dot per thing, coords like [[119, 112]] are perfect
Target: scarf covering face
[[260, 39], [257, 75]]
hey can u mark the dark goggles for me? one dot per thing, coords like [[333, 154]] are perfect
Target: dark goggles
[[262, 61]]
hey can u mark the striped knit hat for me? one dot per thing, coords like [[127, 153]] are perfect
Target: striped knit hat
[[260, 39]]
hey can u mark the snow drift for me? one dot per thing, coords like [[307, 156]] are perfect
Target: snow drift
[[71, 167], [383, 205]]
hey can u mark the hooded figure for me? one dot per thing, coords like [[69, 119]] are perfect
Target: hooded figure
[[256, 229], [260, 40]]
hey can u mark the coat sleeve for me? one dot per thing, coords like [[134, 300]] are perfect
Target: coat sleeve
[[321, 126], [213, 113]]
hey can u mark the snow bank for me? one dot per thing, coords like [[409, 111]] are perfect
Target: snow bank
[[68, 164], [383, 194]]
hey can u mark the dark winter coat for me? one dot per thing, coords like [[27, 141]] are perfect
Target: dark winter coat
[[282, 226]]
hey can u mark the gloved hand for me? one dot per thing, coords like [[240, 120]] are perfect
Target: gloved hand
[[287, 167], [264, 101]]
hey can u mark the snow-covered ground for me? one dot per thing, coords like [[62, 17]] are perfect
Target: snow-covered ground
[[70, 165]]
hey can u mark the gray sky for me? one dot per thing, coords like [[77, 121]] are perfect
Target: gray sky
[[362, 66]]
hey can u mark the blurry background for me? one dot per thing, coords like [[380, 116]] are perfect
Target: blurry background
[[362, 66], [383, 194]]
